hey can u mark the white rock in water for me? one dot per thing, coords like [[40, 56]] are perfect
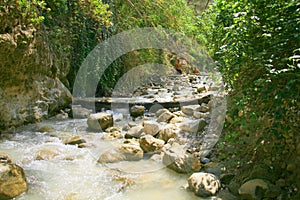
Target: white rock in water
[[150, 144], [167, 132], [204, 184], [151, 127], [100, 121], [12, 181]]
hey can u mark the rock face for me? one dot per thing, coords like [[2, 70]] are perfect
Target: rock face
[[204, 184], [100, 121], [31, 85], [12, 179], [178, 160], [150, 144], [128, 151]]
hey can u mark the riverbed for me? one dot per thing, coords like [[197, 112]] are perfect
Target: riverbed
[[73, 173]]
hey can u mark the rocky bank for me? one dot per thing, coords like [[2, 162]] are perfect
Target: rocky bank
[[31, 79]]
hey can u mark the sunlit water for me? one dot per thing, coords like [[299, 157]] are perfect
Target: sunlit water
[[75, 174]]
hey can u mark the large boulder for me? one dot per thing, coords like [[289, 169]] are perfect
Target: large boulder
[[136, 111], [12, 179], [134, 132], [128, 151], [151, 127], [167, 132], [204, 184], [253, 189], [165, 116], [100, 121], [150, 144], [189, 110], [178, 160]]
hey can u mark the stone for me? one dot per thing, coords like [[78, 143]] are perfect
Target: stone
[[201, 89], [203, 108], [205, 160], [253, 189], [100, 121], [79, 112], [112, 135], [167, 132], [193, 126], [161, 111], [5, 158], [46, 154], [176, 120], [12, 181], [150, 144], [198, 115], [128, 151], [204, 184], [178, 160], [189, 110], [165, 117], [134, 132], [75, 140], [136, 111], [151, 127]]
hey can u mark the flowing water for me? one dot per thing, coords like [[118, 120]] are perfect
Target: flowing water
[[73, 173]]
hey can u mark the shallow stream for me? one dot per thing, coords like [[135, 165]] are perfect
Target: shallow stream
[[73, 173]]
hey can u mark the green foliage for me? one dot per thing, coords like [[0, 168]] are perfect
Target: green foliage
[[25, 14], [258, 53]]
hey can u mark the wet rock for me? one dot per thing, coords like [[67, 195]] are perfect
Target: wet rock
[[165, 117], [205, 160], [203, 108], [134, 132], [4, 158], [201, 89], [176, 120], [130, 151], [189, 110], [112, 135], [150, 144], [12, 181], [46, 154], [167, 132], [79, 112], [62, 115], [156, 157], [75, 140], [45, 129], [151, 127], [178, 160], [198, 115], [204, 184], [161, 111], [126, 182], [100, 121], [136, 111], [253, 189], [193, 126]]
